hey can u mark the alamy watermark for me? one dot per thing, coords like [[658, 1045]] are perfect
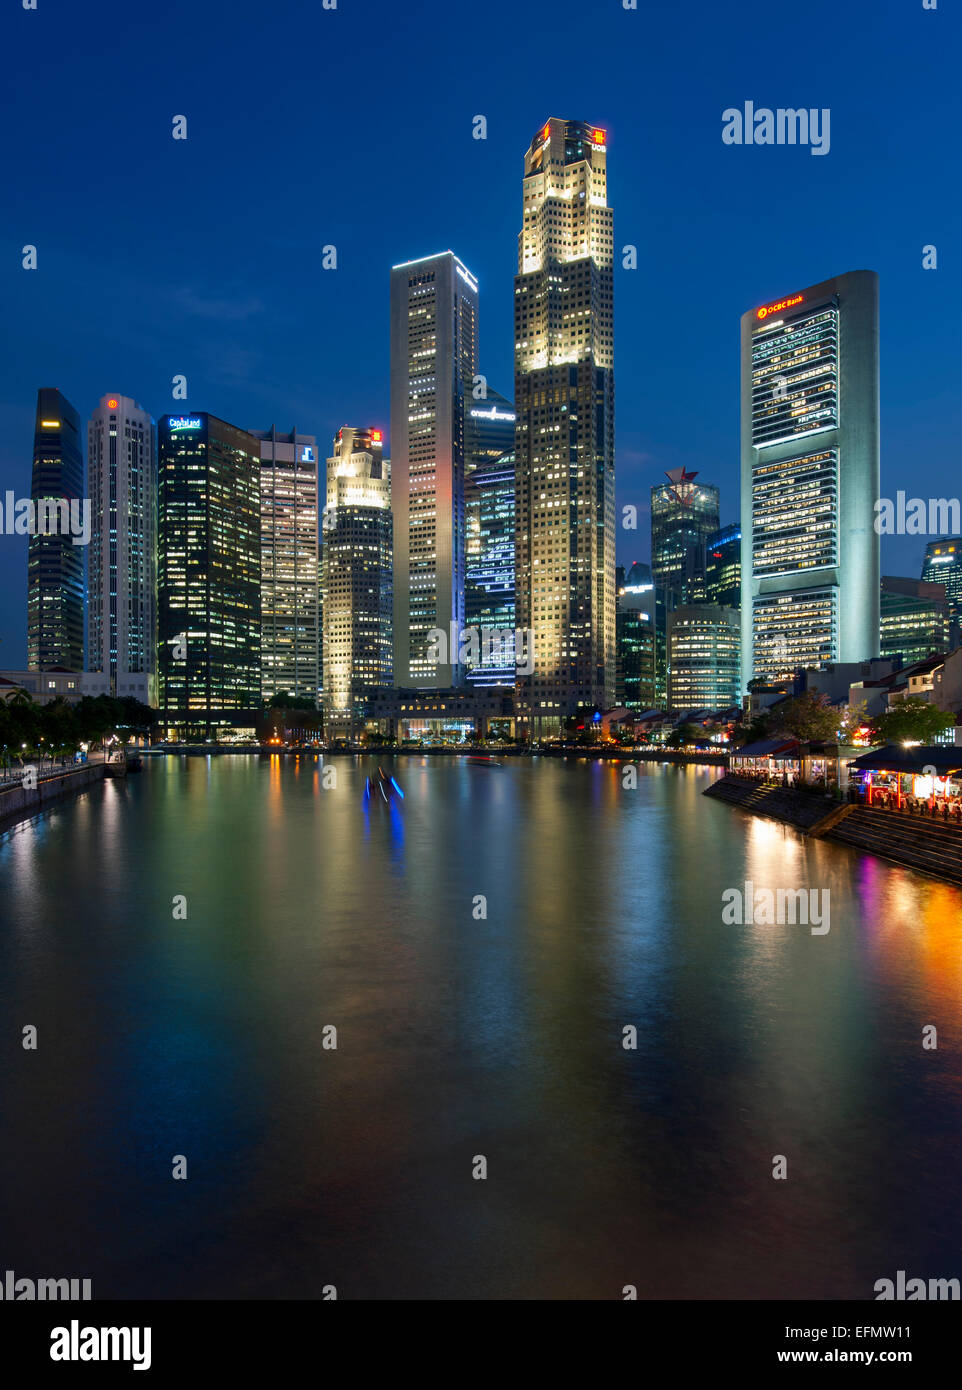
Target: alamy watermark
[[50, 516], [917, 516], [783, 126], [769, 907], [486, 646]]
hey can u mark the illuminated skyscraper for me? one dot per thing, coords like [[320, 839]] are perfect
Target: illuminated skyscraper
[[434, 367], [564, 443], [55, 565], [704, 661], [684, 514], [915, 619], [356, 580], [489, 515], [723, 567], [810, 478], [122, 576], [208, 575], [635, 628], [943, 565], [290, 625]]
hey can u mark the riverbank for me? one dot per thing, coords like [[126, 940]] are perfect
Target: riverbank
[[926, 845], [20, 803]]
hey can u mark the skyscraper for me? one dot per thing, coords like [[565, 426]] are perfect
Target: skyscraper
[[209, 575], [635, 629], [122, 577], [723, 567], [290, 627], [704, 666], [489, 517], [810, 478], [684, 514], [564, 442], [434, 367], [55, 564], [943, 565], [915, 619], [356, 580]]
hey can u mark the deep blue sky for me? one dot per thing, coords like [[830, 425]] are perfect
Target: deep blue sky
[[354, 127]]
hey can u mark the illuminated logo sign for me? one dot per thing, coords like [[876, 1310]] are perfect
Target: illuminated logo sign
[[307, 454], [599, 137], [112, 403], [767, 309], [185, 422], [376, 436], [493, 414]]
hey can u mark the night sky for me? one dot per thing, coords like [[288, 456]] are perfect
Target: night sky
[[353, 127]]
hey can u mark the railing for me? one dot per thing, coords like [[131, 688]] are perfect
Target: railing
[[9, 780]]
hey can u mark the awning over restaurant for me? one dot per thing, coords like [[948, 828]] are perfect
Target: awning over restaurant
[[942, 758], [766, 748]]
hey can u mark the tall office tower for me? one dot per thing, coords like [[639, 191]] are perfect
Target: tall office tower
[[810, 478], [704, 658], [122, 574], [635, 634], [290, 596], [915, 619], [208, 575], [684, 515], [434, 368], [943, 565], [565, 439], [723, 567], [55, 565], [489, 590], [489, 531], [356, 580]]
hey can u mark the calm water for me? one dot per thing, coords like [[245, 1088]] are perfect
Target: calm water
[[459, 1037]]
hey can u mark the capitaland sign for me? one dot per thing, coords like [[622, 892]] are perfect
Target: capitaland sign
[[768, 309], [185, 422]]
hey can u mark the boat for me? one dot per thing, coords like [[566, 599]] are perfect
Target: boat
[[478, 761], [382, 785]]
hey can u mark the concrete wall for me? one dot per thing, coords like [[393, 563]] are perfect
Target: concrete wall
[[19, 803]]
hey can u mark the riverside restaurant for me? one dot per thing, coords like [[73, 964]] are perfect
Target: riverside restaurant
[[925, 779]]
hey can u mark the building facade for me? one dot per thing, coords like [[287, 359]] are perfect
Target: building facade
[[810, 478], [208, 576], [684, 514], [723, 567], [635, 630], [943, 565], [564, 442], [122, 572], [55, 557], [914, 619], [290, 592], [357, 581], [489, 602], [434, 373], [704, 657]]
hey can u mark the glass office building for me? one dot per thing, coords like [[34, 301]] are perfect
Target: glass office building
[[704, 658], [810, 478], [55, 565], [208, 575]]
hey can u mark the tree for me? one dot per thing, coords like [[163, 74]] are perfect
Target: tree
[[684, 735], [810, 718], [911, 720]]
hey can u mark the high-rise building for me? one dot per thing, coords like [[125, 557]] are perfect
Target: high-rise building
[[434, 368], [356, 581], [704, 658], [723, 567], [489, 526], [684, 514], [290, 595], [810, 478], [208, 575], [565, 438], [943, 565], [915, 619], [635, 633], [122, 575], [55, 557]]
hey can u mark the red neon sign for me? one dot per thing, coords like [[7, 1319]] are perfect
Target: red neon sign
[[767, 309]]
